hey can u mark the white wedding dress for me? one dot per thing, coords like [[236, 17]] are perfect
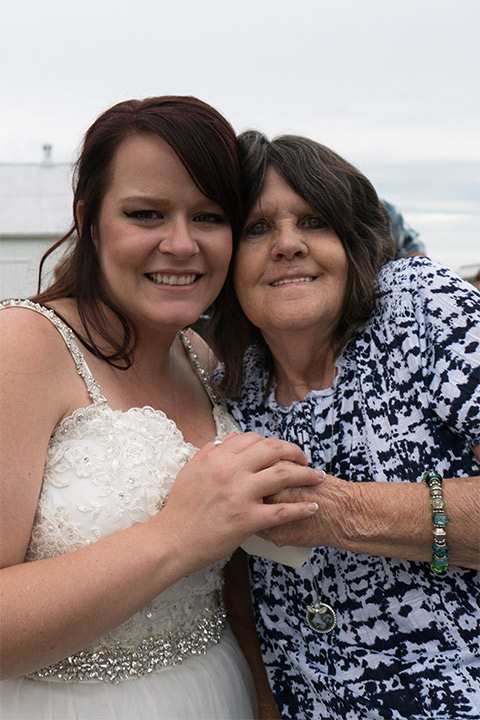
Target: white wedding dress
[[175, 659]]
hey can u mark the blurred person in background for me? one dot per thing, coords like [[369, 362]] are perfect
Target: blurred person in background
[[407, 240]]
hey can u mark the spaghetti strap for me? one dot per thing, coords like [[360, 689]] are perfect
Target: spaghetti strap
[[199, 369], [83, 370]]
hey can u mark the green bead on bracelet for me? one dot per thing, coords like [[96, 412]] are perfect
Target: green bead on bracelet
[[440, 520]]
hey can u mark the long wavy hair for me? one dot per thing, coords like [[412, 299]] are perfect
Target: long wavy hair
[[346, 201], [204, 142]]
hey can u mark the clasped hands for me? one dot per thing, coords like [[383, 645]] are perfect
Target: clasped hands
[[331, 494], [217, 499]]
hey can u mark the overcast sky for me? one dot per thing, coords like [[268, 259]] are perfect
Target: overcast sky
[[390, 84]]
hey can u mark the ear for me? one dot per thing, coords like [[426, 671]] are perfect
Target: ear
[[79, 212]]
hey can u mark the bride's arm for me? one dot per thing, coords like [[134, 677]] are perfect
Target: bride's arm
[[54, 607]]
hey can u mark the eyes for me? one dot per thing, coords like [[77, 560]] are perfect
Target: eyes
[[257, 228], [260, 227], [212, 218], [144, 215], [315, 223], [148, 217]]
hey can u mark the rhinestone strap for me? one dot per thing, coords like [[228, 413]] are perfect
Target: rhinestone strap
[[199, 369], [153, 654], [67, 334]]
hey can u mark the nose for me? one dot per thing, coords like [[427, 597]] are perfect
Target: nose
[[179, 239], [288, 243]]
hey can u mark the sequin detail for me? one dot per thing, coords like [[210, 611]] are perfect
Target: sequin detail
[[199, 369], [224, 422], [153, 654]]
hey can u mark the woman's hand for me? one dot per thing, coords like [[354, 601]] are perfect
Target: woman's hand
[[323, 528], [217, 499], [386, 519]]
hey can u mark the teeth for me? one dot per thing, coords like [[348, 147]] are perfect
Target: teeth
[[289, 281], [172, 279]]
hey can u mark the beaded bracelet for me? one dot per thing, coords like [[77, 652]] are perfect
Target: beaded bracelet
[[439, 563]]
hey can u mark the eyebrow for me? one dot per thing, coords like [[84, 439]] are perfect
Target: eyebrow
[[142, 198], [154, 201]]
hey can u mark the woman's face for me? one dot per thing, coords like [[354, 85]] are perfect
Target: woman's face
[[290, 270], [163, 247]]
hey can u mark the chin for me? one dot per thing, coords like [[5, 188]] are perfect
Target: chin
[[290, 323]]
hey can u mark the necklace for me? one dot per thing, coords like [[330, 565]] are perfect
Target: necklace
[[320, 615]]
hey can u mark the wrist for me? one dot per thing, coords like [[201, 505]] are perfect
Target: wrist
[[387, 519]]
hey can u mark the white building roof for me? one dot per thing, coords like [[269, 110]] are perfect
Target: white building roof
[[35, 198]]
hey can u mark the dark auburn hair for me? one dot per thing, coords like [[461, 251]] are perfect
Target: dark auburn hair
[[205, 143], [349, 205]]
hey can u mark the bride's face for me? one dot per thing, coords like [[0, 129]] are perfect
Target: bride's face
[[163, 247]]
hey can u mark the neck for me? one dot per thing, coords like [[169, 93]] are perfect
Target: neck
[[301, 367], [154, 349]]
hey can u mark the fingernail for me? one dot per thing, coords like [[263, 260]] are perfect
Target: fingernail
[[321, 473], [313, 507]]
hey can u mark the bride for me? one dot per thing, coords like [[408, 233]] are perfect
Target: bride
[[115, 527]]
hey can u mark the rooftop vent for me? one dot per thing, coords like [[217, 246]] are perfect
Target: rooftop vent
[[47, 154]]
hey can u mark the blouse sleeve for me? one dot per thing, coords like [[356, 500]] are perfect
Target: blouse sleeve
[[449, 310]]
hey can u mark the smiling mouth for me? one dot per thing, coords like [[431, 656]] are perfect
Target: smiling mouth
[[166, 279], [290, 281]]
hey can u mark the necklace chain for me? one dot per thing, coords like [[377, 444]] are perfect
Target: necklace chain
[[321, 617]]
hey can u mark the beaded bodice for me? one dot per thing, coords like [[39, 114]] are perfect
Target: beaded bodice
[[106, 470]]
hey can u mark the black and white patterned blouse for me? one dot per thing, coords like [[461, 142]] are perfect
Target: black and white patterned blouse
[[406, 398]]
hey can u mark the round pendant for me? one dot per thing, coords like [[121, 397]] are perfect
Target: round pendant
[[321, 617]]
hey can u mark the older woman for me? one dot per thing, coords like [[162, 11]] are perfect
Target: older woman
[[373, 367]]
